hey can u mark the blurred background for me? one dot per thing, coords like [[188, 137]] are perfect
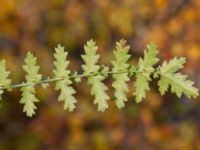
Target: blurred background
[[158, 123]]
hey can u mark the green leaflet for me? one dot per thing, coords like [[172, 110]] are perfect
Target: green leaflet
[[98, 90], [90, 67], [61, 72], [4, 81], [145, 69], [90, 58], [141, 86], [178, 82], [28, 99], [120, 64], [28, 92]]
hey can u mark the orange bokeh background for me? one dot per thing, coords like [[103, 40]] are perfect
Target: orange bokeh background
[[159, 122]]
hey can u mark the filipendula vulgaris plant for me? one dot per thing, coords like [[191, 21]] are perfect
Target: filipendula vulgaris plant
[[121, 72]]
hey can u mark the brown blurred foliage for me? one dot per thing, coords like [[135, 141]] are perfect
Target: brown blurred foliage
[[165, 123]]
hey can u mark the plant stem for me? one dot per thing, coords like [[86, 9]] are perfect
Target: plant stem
[[58, 79]]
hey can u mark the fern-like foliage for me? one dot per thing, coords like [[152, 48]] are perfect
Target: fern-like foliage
[[145, 69], [28, 92], [61, 71], [121, 72], [4, 81], [120, 65], [98, 88], [178, 82]]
